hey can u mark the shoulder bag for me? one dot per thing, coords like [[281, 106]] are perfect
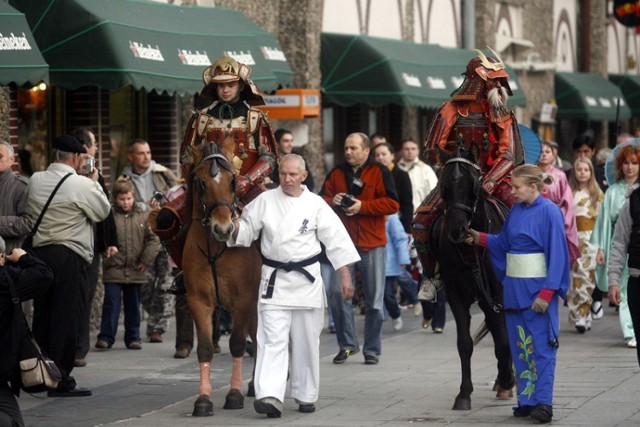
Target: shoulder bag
[[38, 373], [27, 245]]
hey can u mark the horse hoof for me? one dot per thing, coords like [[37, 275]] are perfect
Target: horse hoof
[[203, 407], [251, 391], [503, 394], [234, 399], [462, 404]]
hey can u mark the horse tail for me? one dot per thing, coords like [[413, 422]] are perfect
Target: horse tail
[[480, 333]]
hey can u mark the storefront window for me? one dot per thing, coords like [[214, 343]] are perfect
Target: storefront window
[[32, 128]]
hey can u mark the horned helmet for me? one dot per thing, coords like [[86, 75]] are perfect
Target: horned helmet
[[226, 69], [482, 73]]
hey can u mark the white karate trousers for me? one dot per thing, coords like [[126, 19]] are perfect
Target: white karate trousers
[[289, 345]]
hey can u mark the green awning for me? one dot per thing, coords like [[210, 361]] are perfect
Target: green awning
[[359, 69], [20, 59], [629, 84], [150, 45], [588, 96]]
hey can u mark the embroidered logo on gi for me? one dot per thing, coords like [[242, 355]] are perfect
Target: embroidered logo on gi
[[526, 346], [304, 227]]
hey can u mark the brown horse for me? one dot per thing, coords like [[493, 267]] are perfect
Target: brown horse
[[216, 275]]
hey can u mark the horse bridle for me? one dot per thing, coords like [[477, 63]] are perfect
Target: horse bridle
[[217, 159], [471, 210]]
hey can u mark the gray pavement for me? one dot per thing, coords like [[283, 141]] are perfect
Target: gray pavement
[[597, 384]]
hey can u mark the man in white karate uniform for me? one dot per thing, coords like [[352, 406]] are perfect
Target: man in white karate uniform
[[292, 222]]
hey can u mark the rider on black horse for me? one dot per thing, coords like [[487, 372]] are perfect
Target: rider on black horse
[[477, 117]]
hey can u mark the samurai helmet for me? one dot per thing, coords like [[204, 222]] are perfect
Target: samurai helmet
[[480, 71], [226, 69]]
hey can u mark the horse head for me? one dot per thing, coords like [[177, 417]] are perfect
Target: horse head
[[213, 182], [460, 189]]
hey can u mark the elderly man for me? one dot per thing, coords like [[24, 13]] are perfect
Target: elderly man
[[64, 241], [363, 193], [292, 223], [15, 218]]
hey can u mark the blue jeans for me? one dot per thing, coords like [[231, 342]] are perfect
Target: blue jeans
[[390, 300], [408, 286], [328, 277], [372, 270], [111, 312]]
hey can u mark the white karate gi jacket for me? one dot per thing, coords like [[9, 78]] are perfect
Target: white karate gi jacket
[[292, 229]]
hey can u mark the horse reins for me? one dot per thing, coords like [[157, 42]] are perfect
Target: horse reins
[[480, 277], [216, 158]]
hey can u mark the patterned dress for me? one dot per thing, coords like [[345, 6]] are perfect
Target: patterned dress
[[583, 274]]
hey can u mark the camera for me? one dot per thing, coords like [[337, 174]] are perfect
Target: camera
[[347, 201], [89, 165], [357, 186], [158, 195]]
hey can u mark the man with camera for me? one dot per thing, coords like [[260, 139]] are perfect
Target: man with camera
[[363, 193], [152, 181]]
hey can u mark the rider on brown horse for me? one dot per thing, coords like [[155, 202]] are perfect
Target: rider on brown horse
[[478, 118], [231, 115]]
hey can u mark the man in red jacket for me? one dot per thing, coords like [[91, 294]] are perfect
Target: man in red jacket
[[363, 193]]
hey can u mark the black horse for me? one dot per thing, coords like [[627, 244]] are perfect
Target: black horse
[[466, 270]]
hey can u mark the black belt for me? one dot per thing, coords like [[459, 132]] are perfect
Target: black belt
[[288, 266]]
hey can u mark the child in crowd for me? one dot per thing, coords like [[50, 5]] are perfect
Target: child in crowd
[[587, 198], [125, 272], [397, 261]]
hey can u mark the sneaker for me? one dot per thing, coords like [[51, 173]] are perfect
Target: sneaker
[[155, 337], [417, 309], [182, 352], [370, 359], [306, 408], [80, 362], [596, 310], [134, 345], [438, 330], [426, 323], [397, 324], [343, 355], [102, 345], [268, 405], [632, 343], [332, 329]]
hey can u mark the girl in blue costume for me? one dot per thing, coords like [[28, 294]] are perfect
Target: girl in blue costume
[[531, 260]]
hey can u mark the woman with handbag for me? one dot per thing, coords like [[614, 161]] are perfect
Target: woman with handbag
[[30, 277]]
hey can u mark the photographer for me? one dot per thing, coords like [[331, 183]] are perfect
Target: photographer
[[104, 236], [362, 193], [30, 278]]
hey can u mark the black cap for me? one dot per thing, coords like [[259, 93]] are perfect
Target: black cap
[[68, 143]]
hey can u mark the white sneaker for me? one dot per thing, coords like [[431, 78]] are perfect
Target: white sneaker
[[596, 310], [632, 343], [397, 324], [417, 309]]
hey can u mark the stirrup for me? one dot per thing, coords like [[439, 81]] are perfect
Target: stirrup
[[177, 287], [429, 288]]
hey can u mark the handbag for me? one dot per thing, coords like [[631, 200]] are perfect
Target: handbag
[[27, 244], [38, 373]]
